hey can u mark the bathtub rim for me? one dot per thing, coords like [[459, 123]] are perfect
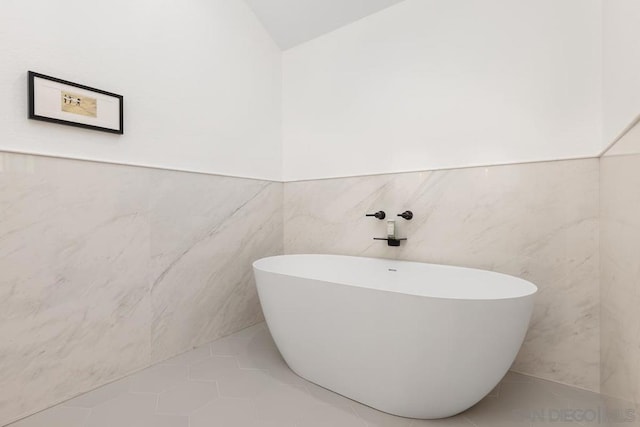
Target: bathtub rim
[[259, 266]]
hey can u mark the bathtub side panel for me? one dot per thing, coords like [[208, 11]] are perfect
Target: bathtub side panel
[[411, 356]]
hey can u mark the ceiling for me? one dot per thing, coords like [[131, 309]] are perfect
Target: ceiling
[[291, 22]]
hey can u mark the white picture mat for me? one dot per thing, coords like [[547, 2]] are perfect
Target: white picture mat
[[47, 103]]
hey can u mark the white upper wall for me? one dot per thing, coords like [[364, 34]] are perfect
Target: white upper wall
[[201, 81], [621, 65], [429, 84], [291, 22]]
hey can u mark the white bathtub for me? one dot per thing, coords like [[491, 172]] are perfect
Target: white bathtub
[[411, 339]]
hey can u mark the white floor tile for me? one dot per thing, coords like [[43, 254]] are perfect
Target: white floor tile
[[158, 421], [375, 418], [228, 346], [491, 412], [190, 357], [133, 410], [57, 416], [322, 395], [125, 410], [242, 381], [251, 331], [100, 395], [457, 421], [322, 415], [158, 378], [258, 357], [225, 412], [261, 338], [213, 368], [186, 397], [282, 374], [245, 383], [284, 405]]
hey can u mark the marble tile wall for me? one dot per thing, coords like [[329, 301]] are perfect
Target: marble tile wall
[[106, 269], [620, 269], [536, 221]]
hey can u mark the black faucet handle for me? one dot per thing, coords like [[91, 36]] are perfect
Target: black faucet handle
[[380, 215], [406, 215]]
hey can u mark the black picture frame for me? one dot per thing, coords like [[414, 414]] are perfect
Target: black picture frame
[[32, 75]]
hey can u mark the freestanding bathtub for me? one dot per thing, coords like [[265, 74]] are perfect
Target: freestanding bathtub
[[411, 339]]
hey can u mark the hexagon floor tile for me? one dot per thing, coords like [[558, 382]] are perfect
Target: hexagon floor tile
[[241, 381]]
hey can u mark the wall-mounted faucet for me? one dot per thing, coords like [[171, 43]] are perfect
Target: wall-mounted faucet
[[380, 215], [391, 238]]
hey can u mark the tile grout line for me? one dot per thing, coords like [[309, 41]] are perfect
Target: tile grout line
[[470, 421]]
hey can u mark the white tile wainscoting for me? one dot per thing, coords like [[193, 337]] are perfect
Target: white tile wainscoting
[[620, 274], [107, 269]]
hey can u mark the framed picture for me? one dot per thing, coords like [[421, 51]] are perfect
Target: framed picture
[[59, 101]]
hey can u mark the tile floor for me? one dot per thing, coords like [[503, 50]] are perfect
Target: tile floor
[[241, 381]]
